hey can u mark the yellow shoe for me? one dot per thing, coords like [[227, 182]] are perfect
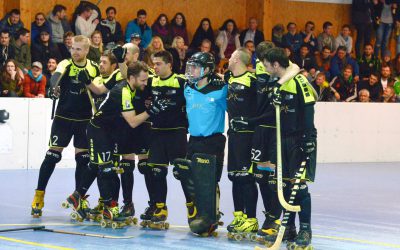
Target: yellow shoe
[[37, 204]]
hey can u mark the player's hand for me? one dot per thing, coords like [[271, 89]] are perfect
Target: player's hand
[[277, 96], [54, 93], [158, 106], [120, 53], [83, 77], [239, 123]]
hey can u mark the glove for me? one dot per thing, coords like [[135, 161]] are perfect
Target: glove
[[54, 93], [158, 106], [83, 77], [276, 96], [215, 80], [308, 144], [120, 53], [239, 123]]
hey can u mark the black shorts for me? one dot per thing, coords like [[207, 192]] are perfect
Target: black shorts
[[213, 145], [130, 140], [166, 146], [239, 152], [264, 145], [62, 131], [101, 145], [142, 138]]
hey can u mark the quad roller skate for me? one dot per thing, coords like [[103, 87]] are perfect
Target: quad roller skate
[[269, 228], [158, 221], [147, 215], [112, 218], [302, 240], [96, 214], [37, 204], [245, 230], [128, 211], [288, 237], [79, 205]]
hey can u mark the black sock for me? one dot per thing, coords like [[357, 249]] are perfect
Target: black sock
[[250, 197], [47, 168], [82, 161], [127, 179], [161, 190], [87, 179], [237, 194], [271, 201]]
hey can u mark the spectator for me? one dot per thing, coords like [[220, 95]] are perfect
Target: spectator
[[45, 49], [339, 62], [292, 38], [372, 85], [363, 95], [387, 58], [6, 50], [326, 38], [110, 29], [82, 6], [227, 39], [277, 35], [178, 27], [35, 82], [323, 88], [386, 77], [12, 22], [344, 39], [309, 38], [362, 20], [389, 95], [249, 45], [11, 80], [139, 26], [38, 25], [161, 28], [86, 22], [305, 60], [368, 62], [206, 46], [58, 23], [344, 86], [324, 62], [156, 45], [396, 65], [50, 70], [383, 12], [65, 47], [289, 52], [135, 39], [251, 33], [203, 31], [178, 52], [96, 47], [22, 50]]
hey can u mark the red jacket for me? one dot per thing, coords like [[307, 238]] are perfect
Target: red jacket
[[32, 88]]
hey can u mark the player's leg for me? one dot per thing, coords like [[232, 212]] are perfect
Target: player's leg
[[127, 180]]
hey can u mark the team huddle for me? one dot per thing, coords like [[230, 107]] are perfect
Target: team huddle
[[122, 109]]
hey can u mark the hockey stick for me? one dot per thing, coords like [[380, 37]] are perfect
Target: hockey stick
[[282, 228], [84, 234], [21, 229], [282, 200]]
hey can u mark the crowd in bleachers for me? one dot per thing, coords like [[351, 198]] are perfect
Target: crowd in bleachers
[[338, 70]]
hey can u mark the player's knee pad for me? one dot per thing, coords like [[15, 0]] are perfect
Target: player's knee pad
[[107, 171], [52, 157], [302, 192], [241, 177], [82, 158], [159, 172], [262, 177], [143, 168], [127, 165], [181, 168]]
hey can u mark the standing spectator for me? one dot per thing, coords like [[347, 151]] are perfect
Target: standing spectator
[[383, 12], [326, 38], [386, 77], [396, 65], [96, 47], [38, 25], [368, 62], [305, 60], [277, 35], [86, 22], [6, 50], [292, 38], [44, 49], [178, 52], [389, 95], [35, 82], [363, 95], [65, 47], [251, 33], [11, 80], [161, 28], [323, 88], [362, 20], [139, 26], [228, 39], [387, 58], [341, 60], [50, 70], [12, 22], [308, 37], [58, 23], [22, 50], [324, 62], [178, 27], [156, 45], [111, 31], [372, 85], [344, 39], [344, 87], [203, 31]]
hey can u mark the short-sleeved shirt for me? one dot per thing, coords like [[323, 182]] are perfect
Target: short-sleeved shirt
[[109, 82]]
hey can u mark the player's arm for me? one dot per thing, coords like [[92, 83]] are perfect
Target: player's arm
[[135, 120], [97, 89]]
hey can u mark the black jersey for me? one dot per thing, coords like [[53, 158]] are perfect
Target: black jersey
[[242, 95], [109, 82], [143, 95], [265, 89], [119, 99], [74, 102], [170, 88]]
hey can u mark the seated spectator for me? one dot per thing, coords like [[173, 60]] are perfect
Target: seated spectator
[[86, 22], [326, 38], [323, 88], [289, 52], [155, 46], [309, 38], [227, 39], [203, 31], [58, 23], [292, 39], [135, 39], [38, 25], [140, 27], [11, 80], [178, 52], [388, 95], [161, 29], [110, 29], [178, 27], [396, 65], [305, 60], [6, 50], [339, 62], [22, 50], [324, 62], [386, 77], [344, 39], [277, 35], [249, 45], [96, 47], [363, 95], [206, 46], [251, 33], [12, 22], [44, 49], [344, 87], [65, 47], [372, 85], [50, 70], [35, 82], [368, 62], [386, 59]]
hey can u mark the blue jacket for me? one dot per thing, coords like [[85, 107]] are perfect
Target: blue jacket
[[12, 28], [338, 65], [133, 27], [35, 30]]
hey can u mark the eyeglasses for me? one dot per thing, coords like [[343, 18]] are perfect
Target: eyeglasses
[[39, 19]]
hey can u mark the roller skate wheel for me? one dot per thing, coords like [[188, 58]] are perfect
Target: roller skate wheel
[[134, 221], [143, 224], [103, 224], [98, 217], [238, 237], [166, 225], [253, 237], [74, 216], [220, 223], [215, 234], [65, 205], [114, 225]]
